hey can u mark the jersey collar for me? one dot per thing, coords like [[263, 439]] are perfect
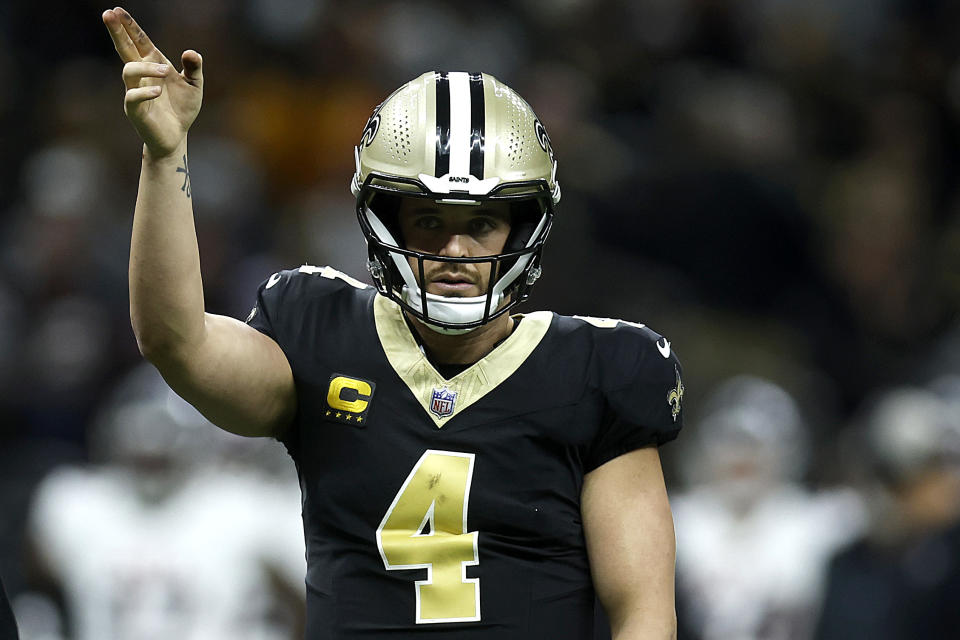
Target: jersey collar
[[468, 386]]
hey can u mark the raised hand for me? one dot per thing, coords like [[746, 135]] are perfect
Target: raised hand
[[161, 103]]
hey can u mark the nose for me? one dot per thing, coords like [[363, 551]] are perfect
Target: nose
[[454, 247]]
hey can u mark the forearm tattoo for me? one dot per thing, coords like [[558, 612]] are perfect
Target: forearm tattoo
[[185, 170]]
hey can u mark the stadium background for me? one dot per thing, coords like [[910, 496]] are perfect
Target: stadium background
[[772, 184]]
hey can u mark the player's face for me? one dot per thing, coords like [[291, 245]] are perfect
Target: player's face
[[457, 231]]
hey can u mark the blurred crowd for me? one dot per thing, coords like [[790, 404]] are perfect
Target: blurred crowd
[[772, 184]]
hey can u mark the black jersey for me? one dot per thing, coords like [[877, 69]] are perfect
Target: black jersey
[[452, 507]]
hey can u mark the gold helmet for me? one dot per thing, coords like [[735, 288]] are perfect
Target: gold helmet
[[455, 138]]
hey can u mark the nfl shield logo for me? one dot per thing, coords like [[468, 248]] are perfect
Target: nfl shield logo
[[442, 401]]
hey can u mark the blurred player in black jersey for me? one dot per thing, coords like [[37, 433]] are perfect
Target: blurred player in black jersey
[[466, 472]]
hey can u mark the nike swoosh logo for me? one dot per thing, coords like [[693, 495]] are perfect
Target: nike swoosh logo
[[274, 279], [664, 348]]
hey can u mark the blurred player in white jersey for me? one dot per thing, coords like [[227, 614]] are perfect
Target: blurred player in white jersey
[[752, 542], [163, 541]]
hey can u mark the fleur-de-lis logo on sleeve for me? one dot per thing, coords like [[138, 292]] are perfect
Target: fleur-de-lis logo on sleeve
[[675, 395]]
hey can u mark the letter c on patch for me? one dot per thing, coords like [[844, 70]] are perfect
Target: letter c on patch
[[337, 386]]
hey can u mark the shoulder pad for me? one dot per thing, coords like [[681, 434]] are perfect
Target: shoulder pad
[[332, 274], [637, 368], [284, 297]]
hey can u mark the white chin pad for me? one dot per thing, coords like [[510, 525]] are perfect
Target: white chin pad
[[449, 309]]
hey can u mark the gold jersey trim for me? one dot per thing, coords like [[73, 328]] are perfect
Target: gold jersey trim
[[471, 384]]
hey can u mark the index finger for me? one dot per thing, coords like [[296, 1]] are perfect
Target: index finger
[[121, 41], [139, 37]]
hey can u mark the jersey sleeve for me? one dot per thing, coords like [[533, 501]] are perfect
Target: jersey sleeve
[[289, 302], [641, 382], [266, 314]]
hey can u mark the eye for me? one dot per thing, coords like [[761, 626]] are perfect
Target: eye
[[482, 224], [428, 222]]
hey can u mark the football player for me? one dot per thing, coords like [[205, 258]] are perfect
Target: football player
[[159, 539], [747, 507], [465, 471]]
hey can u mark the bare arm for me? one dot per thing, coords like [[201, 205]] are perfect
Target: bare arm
[[630, 540], [236, 376]]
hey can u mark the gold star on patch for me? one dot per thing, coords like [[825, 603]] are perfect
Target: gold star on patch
[[339, 414], [349, 416]]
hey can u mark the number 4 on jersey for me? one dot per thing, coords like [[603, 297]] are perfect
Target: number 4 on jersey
[[436, 493]]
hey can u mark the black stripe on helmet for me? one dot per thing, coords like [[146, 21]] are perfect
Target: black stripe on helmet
[[477, 125], [442, 165]]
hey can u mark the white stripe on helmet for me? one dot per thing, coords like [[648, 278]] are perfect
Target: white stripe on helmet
[[459, 82]]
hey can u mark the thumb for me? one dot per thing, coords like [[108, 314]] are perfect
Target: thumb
[[192, 67]]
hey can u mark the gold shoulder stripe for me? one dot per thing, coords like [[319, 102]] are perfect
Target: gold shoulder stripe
[[469, 385]]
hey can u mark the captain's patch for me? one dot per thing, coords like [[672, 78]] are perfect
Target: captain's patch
[[349, 400]]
